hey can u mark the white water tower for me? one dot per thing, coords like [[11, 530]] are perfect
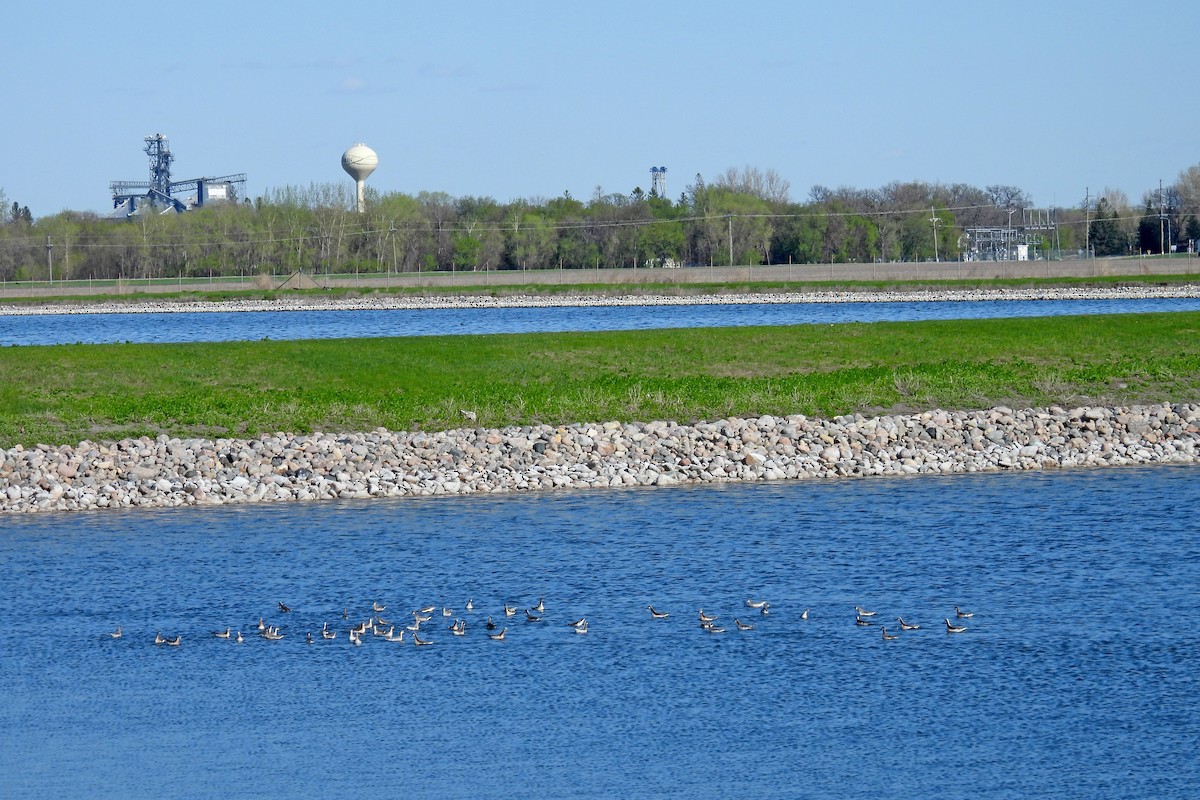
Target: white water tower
[[360, 161]]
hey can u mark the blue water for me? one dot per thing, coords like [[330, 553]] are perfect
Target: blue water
[[1076, 677], [255, 325]]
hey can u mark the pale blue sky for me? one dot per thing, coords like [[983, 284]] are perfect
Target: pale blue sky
[[530, 99]]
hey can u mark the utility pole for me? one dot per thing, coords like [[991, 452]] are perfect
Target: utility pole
[[1162, 243], [731, 240], [934, 219], [1087, 220], [50, 258]]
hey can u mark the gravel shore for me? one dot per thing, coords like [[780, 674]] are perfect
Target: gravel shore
[[384, 301], [167, 472]]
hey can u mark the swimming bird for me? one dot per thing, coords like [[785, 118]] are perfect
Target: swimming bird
[[804, 615], [421, 616], [345, 613], [447, 612], [954, 628], [742, 626], [391, 638], [239, 638], [579, 623], [581, 628], [417, 640], [887, 637], [222, 634], [864, 613], [766, 609], [158, 638], [174, 642], [904, 626], [459, 628], [714, 628], [491, 626], [262, 626], [354, 640], [117, 634], [657, 614], [531, 617], [376, 607], [284, 608], [328, 634], [705, 617], [308, 638], [963, 614], [498, 636], [509, 610], [541, 606], [470, 605], [755, 603], [426, 610], [861, 621]]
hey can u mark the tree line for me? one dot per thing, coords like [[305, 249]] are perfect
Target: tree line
[[741, 217]]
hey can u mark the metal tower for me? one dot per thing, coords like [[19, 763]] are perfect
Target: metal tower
[[160, 192], [658, 181]]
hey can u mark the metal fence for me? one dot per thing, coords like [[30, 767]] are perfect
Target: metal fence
[[1177, 264]]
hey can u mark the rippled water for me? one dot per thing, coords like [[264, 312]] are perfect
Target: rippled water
[[1076, 677], [254, 325]]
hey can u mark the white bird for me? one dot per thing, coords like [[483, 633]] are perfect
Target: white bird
[[376, 607], [426, 610], [470, 605], [531, 617], [174, 642], [963, 614], [541, 606], [579, 623], [887, 637], [904, 626], [658, 614], [766, 609], [498, 636], [239, 638], [863, 613], [417, 640], [158, 638], [222, 634], [509, 610], [804, 615], [742, 626], [755, 603], [954, 628], [117, 634], [706, 618], [581, 628]]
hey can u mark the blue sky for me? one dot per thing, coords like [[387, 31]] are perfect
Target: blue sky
[[532, 99]]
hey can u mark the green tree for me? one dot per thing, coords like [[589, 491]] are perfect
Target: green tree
[[1104, 232]]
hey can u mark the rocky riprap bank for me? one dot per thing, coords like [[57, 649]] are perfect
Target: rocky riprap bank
[[166, 472]]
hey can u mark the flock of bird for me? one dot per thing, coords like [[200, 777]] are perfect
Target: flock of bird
[[417, 632], [862, 618]]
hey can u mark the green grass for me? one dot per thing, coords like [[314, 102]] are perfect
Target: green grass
[[64, 394]]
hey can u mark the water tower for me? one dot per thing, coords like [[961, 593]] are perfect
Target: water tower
[[360, 161]]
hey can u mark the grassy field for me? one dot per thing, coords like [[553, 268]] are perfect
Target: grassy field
[[64, 394]]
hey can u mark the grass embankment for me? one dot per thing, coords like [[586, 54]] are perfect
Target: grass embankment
[[64, 394], [500, 289]]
